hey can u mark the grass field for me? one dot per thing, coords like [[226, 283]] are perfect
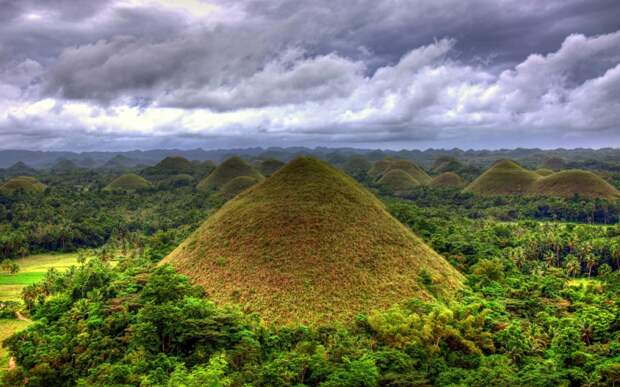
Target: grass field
[[32, 269], [7, 328]]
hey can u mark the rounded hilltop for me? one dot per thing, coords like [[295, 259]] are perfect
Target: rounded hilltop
[[128, 182], [397, 182], [504, 178], [26, 184], [544, 172], [447, 180], [574, 182], [309, 245], [381, 167], [226, 171]]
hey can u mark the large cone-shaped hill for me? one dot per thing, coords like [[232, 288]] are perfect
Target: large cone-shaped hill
[[21, 183], [309, 245], [226, 171], [574, 182], [505, 177], [128, 182]]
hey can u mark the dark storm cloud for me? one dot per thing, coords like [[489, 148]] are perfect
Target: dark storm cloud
[[354, 72]]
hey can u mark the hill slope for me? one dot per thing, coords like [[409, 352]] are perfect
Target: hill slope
[[236, 186], [397, 182], [226, 171], [309, 245], [505, 177], [447, 180], [128, 182], [574, 182], [23, 183]]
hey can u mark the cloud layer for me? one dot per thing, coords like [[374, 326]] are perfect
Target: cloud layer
[[139, 74]]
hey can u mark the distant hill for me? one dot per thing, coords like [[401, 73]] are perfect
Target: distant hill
[[310, 245], [269, 167], [505, 177], [21, 183], [236, 186], [397, 182], [169, 166], [357, 167], [64, 166], [447, 180], [554, 163], [446, 164], [381, 167], [225, 172], [128, 182], [569, 183], [19, 169]]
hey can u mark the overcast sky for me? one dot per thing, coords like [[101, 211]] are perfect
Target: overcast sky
[[127, 74]]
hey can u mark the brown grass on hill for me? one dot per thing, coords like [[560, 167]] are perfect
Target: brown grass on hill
[[225, 172], [309, 245], [21, 183], [574, 182], [447, 180], [505, 177]]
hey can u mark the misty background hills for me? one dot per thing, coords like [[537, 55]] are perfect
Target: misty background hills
[[605, 158]]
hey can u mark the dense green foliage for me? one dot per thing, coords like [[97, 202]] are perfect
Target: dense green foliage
[[66, 219], [540, 306]]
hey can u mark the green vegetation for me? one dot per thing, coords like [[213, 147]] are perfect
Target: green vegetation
[[25, 184], [569, 183], [225, 172], [357, 167], [397, 182], [8, 327], [504, 178], [309, 245], [534, 301], [127, 183], [554, 163], [32, 270], [236, 186], [447, 180]]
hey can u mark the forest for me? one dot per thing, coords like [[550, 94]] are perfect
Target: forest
[[537, 304]]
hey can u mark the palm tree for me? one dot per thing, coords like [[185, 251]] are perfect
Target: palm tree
[[573, 267]]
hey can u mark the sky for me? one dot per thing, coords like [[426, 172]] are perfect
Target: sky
[[141, 74]]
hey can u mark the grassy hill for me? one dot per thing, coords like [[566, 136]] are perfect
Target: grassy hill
[[236, 186], [397, 182], [309, 245], [381, 167], [21, 183], [574, 182], [447, 180], [544, 172], [357, 167], [505, 177], [128, 182], [225, 172], [446, 164]]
